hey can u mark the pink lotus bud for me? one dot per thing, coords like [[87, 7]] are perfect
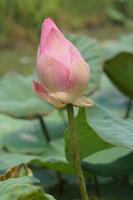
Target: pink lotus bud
[[62, 72]]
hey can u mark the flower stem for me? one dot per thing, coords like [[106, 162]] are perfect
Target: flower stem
[[129, 107], [75, 154], [44, 128], [97, 189]]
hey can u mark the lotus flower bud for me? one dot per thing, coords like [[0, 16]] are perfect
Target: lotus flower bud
[[62, 72]]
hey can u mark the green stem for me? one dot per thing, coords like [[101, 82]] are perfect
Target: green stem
[[97, 189], [44, 128], [129, 107], [75, 154]]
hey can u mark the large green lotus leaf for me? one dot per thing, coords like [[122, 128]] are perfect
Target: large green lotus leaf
[[17, 98], [9, 160], [27, 136], [116, 161], [111, 98], [111, 129], [53, 157], [118, 57], [88, 140], [91, 51], [8, 124], [23, 188], [28, 139], [99, 130]]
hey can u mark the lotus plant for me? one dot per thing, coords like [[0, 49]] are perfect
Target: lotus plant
[[62, 77]]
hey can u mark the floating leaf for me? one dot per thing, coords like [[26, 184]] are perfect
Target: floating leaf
[[98, 130], [91, 51], [52, 158], [17, 98], [111, 129], [100, 122], [8, 160], [116, 161], [8, 124], [111, 98], [24, 136], [118, 57], [23, 188]]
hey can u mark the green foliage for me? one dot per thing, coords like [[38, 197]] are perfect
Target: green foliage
[[99, 124], [116, 15], [84, 13], [116, 161], [32, 17], [83, 7], [130, 2], [53, 157], [24, 188], [120, 11], [17, 98], [95, 128], [26, 12], [118, 63], [9, 160], [86, 137], [23, 136], [110, 128], [111, 98], [21, 20], [98, 131]]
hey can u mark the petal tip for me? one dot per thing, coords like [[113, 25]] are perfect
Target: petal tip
[[48, 22], [37, 87]]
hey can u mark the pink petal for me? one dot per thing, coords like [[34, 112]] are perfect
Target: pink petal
[[79, 76], [75, 53], [56, 46], [39, 89], [43, 95], [53, 43], [52, 74], [47, 25]]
